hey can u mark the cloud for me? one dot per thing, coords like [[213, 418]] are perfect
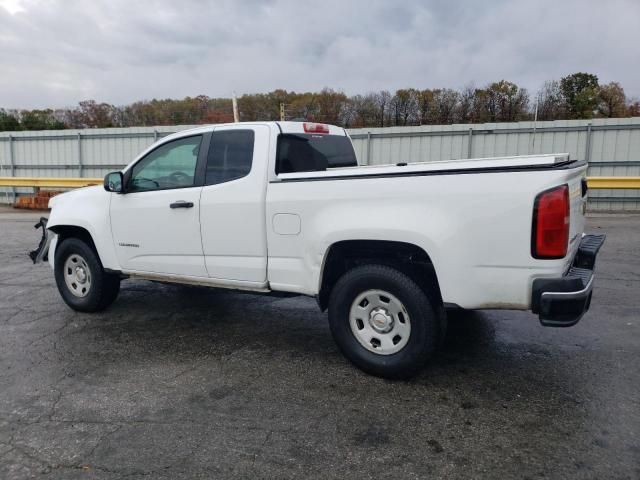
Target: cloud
[[57, 52], [11, 6]]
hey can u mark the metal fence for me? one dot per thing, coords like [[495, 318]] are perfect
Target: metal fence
[[611, 146]]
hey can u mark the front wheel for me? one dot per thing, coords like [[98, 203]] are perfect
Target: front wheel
[[383, 322], [81, 280]]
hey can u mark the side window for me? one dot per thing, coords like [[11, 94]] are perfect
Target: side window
[[173, 165], [230, 156]]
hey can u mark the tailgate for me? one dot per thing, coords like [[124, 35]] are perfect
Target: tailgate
[[578, 203]]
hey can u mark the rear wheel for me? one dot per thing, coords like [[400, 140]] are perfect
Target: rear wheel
[[81, 280], [383, 321]]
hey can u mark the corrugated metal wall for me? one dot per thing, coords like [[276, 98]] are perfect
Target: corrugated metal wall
[[612, 147], [73, 153]]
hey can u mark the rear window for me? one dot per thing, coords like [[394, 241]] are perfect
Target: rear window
[[313, 153]]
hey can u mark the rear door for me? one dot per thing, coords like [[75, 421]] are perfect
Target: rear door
[[156, 223], [232, 205]]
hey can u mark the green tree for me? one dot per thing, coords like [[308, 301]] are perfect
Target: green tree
[[580, 93], [8, 122], [40, 120]]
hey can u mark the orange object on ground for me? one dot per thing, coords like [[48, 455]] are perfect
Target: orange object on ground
[[40, 201]]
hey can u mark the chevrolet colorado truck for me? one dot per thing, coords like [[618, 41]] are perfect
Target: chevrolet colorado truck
[[284, 207]]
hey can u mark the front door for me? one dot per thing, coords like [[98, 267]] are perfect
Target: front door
[[156, 222]]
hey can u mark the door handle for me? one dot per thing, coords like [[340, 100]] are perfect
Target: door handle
[[181, 204]]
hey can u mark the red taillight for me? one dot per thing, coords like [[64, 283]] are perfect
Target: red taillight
[[315, 128], [551, 223]]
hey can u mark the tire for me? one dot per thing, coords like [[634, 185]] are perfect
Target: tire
[[81, 280], [373, 332]]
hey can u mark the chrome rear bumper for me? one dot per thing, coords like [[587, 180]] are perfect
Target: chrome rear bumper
[[561, 302]]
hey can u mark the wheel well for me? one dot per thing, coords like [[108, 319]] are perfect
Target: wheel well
[[406, 257], [73, 231]]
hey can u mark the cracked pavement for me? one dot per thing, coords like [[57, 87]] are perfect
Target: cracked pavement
[[185, 382]]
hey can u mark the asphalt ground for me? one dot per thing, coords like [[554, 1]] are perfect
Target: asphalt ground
[[175, 382]]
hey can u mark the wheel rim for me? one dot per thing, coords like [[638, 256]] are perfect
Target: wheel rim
[[380, 322], [77, 275]]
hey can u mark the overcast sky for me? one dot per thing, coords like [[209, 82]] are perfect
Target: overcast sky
[[55, 53]]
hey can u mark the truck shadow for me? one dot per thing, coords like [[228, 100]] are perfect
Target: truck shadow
[[266, 322], [240, 347], [161, 322], [169, 309], [468, 330]]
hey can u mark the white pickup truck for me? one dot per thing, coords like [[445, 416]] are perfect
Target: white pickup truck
[[284, 207]]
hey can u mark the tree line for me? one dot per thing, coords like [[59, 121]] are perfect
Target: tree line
[[576, 96]]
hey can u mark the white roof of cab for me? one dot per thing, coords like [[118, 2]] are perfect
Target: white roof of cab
[[285, 127]]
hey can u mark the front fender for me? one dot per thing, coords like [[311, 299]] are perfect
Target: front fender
[[86, 208]]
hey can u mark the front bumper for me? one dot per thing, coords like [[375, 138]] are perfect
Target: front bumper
[[40, 253], [561, 302]]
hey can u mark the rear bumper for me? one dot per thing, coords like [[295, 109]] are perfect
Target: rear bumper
[[562, 301]]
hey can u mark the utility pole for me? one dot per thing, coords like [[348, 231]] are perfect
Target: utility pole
[[234, 101], [535, 124], [282, 115]]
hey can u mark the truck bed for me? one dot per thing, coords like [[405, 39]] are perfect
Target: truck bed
[[472, 217]]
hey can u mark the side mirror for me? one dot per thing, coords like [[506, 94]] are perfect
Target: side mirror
[[114, 182]]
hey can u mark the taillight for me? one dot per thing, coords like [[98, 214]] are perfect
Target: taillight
[[551, 223], [315, 128]]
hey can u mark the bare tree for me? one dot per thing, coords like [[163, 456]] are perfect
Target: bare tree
[[466, 104], [425, 106], [331, 105], [405, 106], [613, 101], [445, 103], [550, 101], [506, 102], [575, 96], [383, 101], [364, 109], [633, 109]]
